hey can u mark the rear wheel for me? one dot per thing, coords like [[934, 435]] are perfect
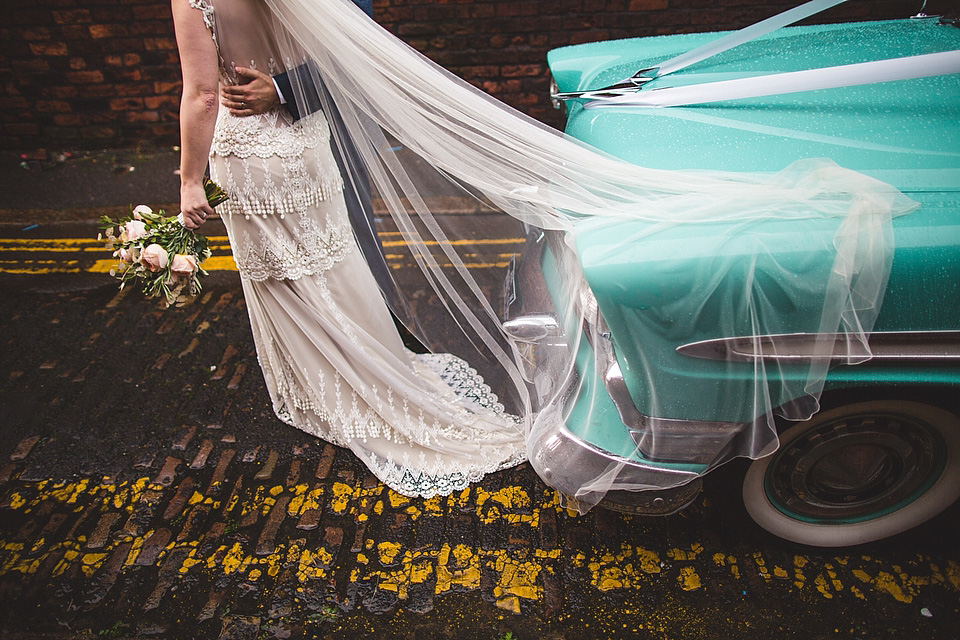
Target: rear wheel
[[857, 473]]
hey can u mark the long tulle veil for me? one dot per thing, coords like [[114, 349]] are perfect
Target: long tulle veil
[[450, 167]]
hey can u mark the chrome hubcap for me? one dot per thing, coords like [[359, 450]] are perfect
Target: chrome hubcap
[[854, 468]]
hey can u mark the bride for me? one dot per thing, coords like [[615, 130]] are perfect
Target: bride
[[428, 143], [333, 361]]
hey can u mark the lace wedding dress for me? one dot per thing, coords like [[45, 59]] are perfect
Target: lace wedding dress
[[331, 356]]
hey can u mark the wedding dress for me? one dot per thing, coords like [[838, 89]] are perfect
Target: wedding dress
[[333, 363], [331, 356]]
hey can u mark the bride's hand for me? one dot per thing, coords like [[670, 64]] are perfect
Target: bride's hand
[[257, 94], [194, 206]]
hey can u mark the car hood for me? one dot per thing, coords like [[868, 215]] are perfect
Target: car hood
[[906, 133]]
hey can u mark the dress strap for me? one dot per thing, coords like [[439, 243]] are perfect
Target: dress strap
[[207, 9]]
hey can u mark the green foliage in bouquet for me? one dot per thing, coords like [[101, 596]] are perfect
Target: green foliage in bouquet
[[158, 252]]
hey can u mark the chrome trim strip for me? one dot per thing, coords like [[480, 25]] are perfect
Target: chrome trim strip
[[885, 346]]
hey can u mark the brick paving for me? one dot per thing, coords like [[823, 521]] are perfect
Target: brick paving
[[146, 490]]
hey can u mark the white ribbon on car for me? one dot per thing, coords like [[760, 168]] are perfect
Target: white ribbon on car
[[741, 36], [920, 66], [712, 48]]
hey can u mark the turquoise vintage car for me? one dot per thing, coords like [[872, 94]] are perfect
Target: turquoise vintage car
[[883, 453]]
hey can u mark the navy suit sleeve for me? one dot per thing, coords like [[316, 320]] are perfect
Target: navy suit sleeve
[[303, 103]]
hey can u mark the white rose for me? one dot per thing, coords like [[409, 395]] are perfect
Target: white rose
[[140, 210], [135, 229]]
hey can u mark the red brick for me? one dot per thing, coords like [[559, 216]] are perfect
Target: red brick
[[179, 500], [101, 533], [74, 33], [169, 471], [647, 5], [166, 87], [159, 102], [7, 472], [153, 12], [24, 448], [186, 434], [133, 89], [73, 16], [13, 102], [267, 470], [35, 33], [52, 106], [49, 48], [154, 28], [99, 91], [266, 544], [190, 527], [108, 30], [520, 70], [200, 460], [152, 547], [221, 470], [159, 44], [69, 120], [127, 74], [28, 66], [84, 77]]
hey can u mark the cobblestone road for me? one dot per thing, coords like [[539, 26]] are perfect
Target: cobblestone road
[[147, 490]]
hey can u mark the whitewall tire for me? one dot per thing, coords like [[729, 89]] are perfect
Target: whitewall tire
[[857, 473]]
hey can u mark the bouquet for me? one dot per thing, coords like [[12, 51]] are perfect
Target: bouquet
[[158, 251]]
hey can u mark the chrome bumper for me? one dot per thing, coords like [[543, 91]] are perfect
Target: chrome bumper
[[567, 462]]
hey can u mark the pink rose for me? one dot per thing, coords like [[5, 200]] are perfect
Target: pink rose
[[125, 256], [135, 229], [154, 257], [183, 265]]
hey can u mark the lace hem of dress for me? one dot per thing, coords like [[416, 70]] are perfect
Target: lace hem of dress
[[422, 484], [311, 253], [465, 382], [419, 482], [346, 422]]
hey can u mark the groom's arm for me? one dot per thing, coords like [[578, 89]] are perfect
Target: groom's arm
[[303, 102]]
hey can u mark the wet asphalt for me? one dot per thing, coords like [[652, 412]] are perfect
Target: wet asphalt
[[146, 490]]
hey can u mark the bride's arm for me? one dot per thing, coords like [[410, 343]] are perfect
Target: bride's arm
[[198, 108]]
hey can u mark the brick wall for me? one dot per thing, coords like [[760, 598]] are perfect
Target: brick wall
[[88, 74]]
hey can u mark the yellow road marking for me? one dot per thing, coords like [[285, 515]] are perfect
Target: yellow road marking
[[392, 566], [220, 245]]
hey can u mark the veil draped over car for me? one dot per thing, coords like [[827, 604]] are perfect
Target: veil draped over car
[[459, 179]]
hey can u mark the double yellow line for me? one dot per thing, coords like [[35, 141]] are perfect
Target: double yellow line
[[38, 256]]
